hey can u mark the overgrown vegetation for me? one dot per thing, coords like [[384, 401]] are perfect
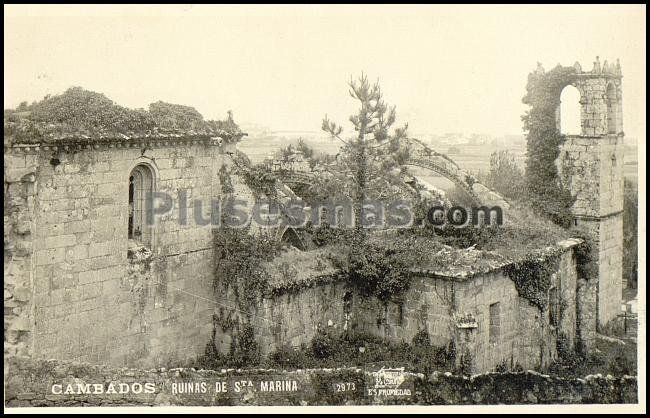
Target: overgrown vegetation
[[225, 180], [325, 234], [585, 254], [613, 357], [310, 154], [329, 349], [238, 264], [239, 255], [505, 176], [380, 271], [79, 110], [545, 190], [532, 278], [258, 177], [381, 267], [244, 352]]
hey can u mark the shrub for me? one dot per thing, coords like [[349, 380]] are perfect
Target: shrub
[[501, 367], [325, 234], [564, 349], [328, 349], [505, 176], [465, 365], [81, 108], [610, 357], [170, 116], [287, 357], [323, 345], [244, 351], [378, 271], [211, 358], [421, 339]]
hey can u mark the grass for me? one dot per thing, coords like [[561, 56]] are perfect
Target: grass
[[610, 357]]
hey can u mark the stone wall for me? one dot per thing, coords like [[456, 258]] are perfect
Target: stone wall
[[427, 305], [591, 168], [91, 302], [474, 297], [601, 104], [293, 318], [612, 158], [19, 205], [610, 268], [30, 383], [526, 337]]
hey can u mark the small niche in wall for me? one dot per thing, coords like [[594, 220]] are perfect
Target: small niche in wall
[[347, 303]]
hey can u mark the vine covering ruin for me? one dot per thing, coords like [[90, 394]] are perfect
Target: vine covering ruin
[[533, 278], [544, 187]]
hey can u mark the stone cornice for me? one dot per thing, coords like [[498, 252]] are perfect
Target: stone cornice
[[84, 143], [560, 247]]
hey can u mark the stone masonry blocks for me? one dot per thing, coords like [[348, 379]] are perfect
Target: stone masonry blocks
[[84, 295]]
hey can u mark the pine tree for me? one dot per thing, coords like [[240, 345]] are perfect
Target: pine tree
[[373, 151]]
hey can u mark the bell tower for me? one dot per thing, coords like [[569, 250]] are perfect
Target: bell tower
[[591, 166]]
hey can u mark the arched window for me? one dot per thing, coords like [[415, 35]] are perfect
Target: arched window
[[610, 97], [140, 188], [569, 117]]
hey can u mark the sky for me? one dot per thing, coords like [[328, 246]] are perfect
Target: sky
[[446, 68]]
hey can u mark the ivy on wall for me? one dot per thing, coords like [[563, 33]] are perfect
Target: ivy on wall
[[586, 254], [258, 177], [225, 180], [244, 352], [238, 268], [261, 181], [239, 258], [544, 187], [239, 255], [533, 278]]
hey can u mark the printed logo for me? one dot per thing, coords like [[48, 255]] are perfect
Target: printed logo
[[387, 382]]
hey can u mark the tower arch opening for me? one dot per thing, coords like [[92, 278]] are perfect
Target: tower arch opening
[[569, 119], [612, 108]]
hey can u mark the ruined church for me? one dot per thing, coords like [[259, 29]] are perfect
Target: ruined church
[[87, 278]]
